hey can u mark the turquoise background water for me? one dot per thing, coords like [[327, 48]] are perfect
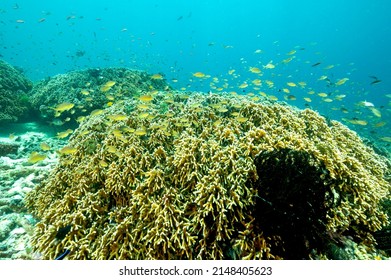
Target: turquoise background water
[[178, 38]]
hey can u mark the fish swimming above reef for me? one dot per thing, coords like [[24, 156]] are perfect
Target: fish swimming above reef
[[36, 157], [375, 80], [66, 106]]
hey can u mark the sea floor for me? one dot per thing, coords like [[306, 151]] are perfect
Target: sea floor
[[17, 178]]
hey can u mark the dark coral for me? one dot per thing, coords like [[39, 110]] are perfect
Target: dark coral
[[13, 89], [69, 87]]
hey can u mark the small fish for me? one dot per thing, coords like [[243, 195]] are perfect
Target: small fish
[[107, 86], [67, 150], [199, 75], [270, 65], [241, 119], [375, 81], [146, 98], [341, 81], [315, 64], [324, 77], [140, 131], [44, 146], [157, 77], [66, 106], [117, 117], [255, 70], [375, 111], [19, 21], [358, 122], [36, 157], [380, 124], [103, 164], [291, 84], [97, 112], [366, 104], [328, 67], [289, 59], [291, 52], [63, 255], [244, 85], [11, 136], [386, 139], [64, 134]]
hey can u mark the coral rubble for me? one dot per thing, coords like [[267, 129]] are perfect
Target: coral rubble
[[206, 176]]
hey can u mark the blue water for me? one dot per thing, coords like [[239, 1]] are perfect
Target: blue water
[[179, 38]]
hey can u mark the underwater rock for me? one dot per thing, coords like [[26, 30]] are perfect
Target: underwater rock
[[8, 148], [86, 90], [205, 176], [14, 87]]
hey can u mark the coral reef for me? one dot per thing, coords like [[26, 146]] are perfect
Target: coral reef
[[86, 89], [196, 176], [13, 88]]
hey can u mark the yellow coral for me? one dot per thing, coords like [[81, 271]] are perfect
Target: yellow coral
[[195, 185]]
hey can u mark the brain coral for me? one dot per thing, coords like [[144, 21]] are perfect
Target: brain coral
[[13, 87], [83, 88], [209, 177]]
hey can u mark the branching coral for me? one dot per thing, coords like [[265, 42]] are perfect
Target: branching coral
[[203, 177]]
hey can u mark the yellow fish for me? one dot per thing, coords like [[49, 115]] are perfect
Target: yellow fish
[[291, 84], [328, 67], [96, 112], [241, 119], [380, 124], [291, 52], [117, 117], [269, 65], [359, 122], [146, 98], [255, 70], [341, 81], [64, 134], [322, 94], [66, 106], [322, 78], [80, 119], [36, 157], [289, 59], [67, 150], [244, 85], [199, 75], [157, 77], [44, 146], [140, 131], [375, 111]]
